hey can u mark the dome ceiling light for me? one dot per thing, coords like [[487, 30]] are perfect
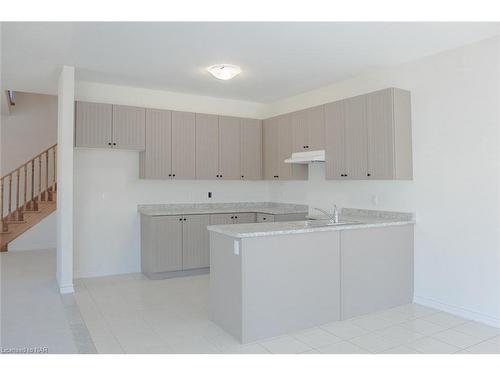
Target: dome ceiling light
[[224, 71]]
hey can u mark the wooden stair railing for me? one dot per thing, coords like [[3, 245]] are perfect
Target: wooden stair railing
[[25, 187]]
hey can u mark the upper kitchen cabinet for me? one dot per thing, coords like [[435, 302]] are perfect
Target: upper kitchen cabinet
[[129, 127], [369, 136], [169, 153], [93, 123], [251, 149], [229, 148], [207, 146], [335, 140], [270, 137], [109, 126], [278, 146], [156, 160], [389, 134], [355, 138], [183, 145], [308, 129]]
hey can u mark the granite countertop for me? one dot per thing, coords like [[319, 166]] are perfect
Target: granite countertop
[[356, 218], [270, 208]]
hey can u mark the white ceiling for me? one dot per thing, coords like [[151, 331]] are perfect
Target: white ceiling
[[278, 59]]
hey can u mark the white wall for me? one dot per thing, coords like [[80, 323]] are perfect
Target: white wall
[[107, 192], [30, 128], [455, 191], [108, 188]]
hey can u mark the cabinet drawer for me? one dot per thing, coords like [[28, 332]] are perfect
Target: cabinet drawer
[[264, 218]]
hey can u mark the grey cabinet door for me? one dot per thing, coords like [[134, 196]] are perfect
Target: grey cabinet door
[[155, 161], [285, 149], [195, 242], [129, 127], [380, 128], [285, 146], [356, 138], [207, 147], [183, 145], [335, 140], [243, 218], [271, 148], [251, 149], [221, 219], [166, 235], [264, 218], [229, 148], [93, 122], [300, 133], [316, 128]]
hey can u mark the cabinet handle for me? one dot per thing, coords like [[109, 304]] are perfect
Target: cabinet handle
[[368, 174], [184, 219], [170, 175], [173, 175], [180, 219], [114, 143], [263, 218], [236, 217], [109, 143], [242, 176]]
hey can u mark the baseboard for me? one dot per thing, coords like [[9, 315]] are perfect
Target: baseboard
[[460, 311], [66, 289]]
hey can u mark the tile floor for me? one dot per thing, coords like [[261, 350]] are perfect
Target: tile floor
[[132, 314], [33, 313]]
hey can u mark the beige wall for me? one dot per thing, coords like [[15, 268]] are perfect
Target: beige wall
[[30, 128]]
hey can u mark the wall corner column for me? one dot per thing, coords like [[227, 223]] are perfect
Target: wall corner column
[[65, 130]]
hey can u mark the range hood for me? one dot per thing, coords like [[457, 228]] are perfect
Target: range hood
[[306, 157]]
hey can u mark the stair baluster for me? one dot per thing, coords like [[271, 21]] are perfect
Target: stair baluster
[[15, 220]]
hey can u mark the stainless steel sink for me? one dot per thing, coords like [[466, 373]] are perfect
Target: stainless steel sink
[[328, 223]]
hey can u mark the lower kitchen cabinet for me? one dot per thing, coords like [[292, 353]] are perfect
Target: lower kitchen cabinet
[[174, 243], [233, 218], [265, 218], [195, 242]]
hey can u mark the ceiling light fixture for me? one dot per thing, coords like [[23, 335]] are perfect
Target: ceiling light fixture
[[224, 71]]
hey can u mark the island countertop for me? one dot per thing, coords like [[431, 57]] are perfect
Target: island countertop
[[271, 208], [353, 218]]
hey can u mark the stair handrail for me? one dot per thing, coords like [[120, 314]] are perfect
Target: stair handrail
[[41, 195]]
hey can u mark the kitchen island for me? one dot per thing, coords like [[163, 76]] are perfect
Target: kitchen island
[[269, 279]]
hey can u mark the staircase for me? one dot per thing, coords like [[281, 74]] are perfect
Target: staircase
[[28, 194]]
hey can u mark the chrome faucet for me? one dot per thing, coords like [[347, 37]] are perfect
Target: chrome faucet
[[334, 216]]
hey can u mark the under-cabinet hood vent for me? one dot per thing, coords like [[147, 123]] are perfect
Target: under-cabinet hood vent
[[306, 157]]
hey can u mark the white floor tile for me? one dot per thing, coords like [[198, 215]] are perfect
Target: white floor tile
[[342, 347], [374, 343], [414, 310], [429, 345], [285, 345], [445, 320], [400, 334], [490, 346], [456, 338], [344, 329], [479, 330], [422, 326], [371, 322], [316, 337]]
